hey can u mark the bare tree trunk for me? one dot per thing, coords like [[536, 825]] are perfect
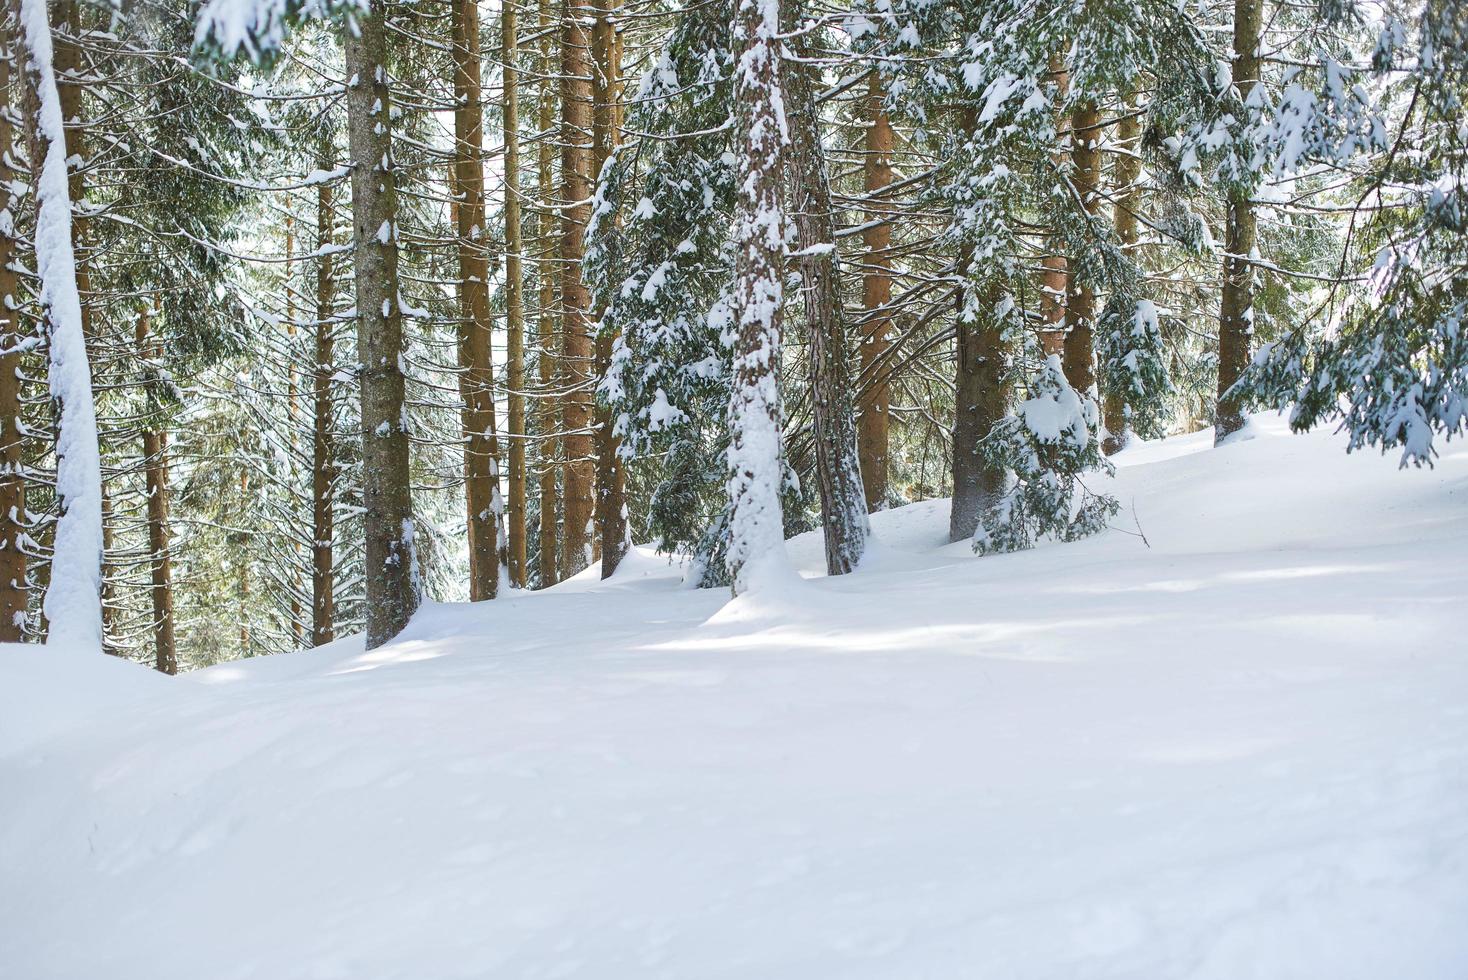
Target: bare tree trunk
[[14, 598], [843, 501], [1236, 305], [757, 533], [611, 490], [155, 470], [293, 413], [323, 456], [390, 571], [980, 402], [1080, 307], [1055, 279], [1127, 174], [576, 342], [875, 403], [514, 295], [481, 468], [548, 406]]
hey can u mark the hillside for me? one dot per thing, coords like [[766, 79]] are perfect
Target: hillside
[[1205, 744]]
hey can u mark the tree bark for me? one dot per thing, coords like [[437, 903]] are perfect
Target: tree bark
[[481, 466], [548, 405], [611, 490], [155, 470], [1236, 304], [757, 533], [576, 341], [875, 402], [323, 455], [1055, 277], [980, 402], [838, 474], [14, 597], [514, 295], [1126, 175], [390, 574], [1080, 306]]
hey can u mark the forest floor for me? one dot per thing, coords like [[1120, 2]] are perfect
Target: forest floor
[[1237, 749]]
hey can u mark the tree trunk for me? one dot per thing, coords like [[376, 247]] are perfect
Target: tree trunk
[[875, 402], [1080, 306], [576, 342], [843, 501], [293, 414], [323, 456], [514, 295], [980, 402], [611, 490], [481, 467], [1055, 279], [548, 405], [390, 573], [757, 537], [1236, 305], [155, 470], [1127, 174], [14, 598]]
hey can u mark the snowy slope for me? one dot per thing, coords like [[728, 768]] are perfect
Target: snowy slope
[[1238, 750]]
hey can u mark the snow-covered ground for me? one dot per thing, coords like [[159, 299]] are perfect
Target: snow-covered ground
[[1237, 750]]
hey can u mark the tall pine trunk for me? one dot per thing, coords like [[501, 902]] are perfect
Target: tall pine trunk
[[843, 501], [1128, 198], [14, 601], [481, 468], [548, 415], [1080, 306], [980, 402], [390, 574], [874, 406], [323, 456], [579, 471], [611, 491], [73, 601], [1236, 305], [514, 296], [757, 533], [155, 471]]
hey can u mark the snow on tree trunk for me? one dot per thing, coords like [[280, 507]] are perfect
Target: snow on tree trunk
[[14, 600], [391, 568], [73, 600], [843, 501], [323, 455], [757, 536]]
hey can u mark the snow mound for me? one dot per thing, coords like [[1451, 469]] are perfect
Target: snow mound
[[1235, 748]]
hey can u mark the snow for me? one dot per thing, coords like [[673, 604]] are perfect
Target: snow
[[1237, 750]]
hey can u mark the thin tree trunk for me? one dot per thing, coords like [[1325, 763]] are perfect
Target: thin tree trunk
[[1055, 279], [155, 471], [611, 489], [838, 474], [576, 342], [757, 534], [293, 413], [1080, 306], [14, 598], [548, 405], [875, 403], [980, 402], [242, 588], [323, 456], [514, 295], [1236, 305], [390, 574], [481, 476], [1126, 175]]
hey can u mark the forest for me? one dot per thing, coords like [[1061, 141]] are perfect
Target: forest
[[872, 489]]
